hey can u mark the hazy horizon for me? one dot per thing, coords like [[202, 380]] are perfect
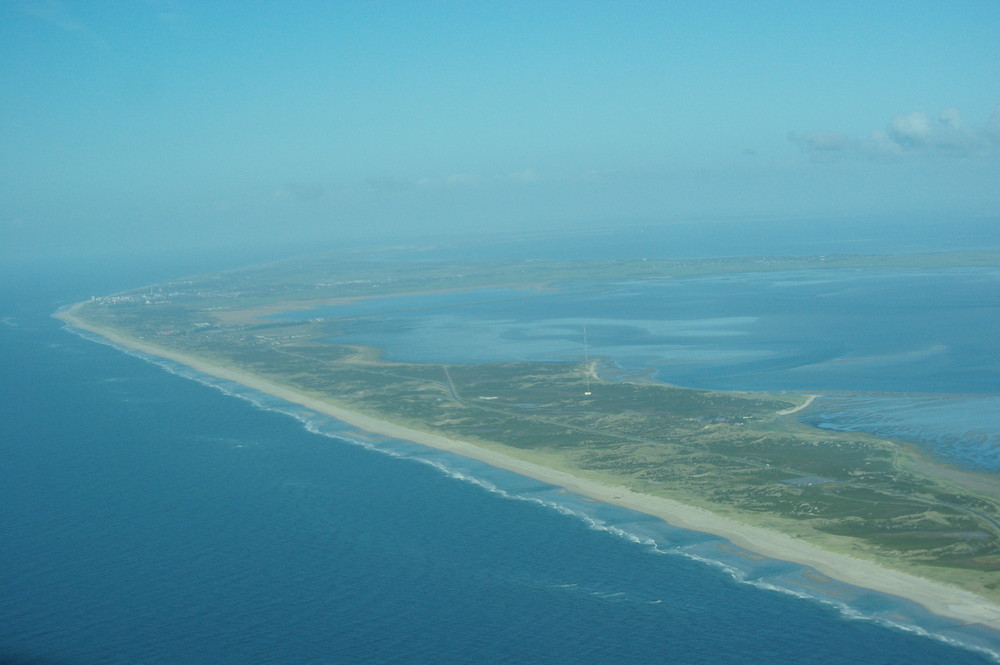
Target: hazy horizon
[[157, 513], [160, 125]]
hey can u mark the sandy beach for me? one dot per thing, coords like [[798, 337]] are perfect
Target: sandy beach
[[795, 409], [936, 597]]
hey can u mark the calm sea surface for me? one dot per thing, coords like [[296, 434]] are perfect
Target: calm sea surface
[[904, 354], [152, 516]]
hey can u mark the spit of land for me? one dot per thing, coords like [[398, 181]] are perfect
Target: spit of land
[[866, 511]]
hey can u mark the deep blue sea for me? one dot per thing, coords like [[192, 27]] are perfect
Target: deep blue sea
[[149, 515]]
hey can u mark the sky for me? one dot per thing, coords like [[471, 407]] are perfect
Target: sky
[[140, 124]]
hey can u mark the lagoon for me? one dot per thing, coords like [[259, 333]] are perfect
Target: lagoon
[[919, 345]]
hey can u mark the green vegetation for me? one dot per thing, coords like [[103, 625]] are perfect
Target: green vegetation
[[738, 454]]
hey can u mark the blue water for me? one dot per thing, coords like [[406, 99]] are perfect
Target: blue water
[[960, 429], [147, 517], [924, 341], [799, 330]]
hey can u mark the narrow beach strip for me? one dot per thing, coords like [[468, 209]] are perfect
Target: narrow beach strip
[[941, 599], [795, 409]]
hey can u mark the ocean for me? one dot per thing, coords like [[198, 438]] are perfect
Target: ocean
[[151, 515]]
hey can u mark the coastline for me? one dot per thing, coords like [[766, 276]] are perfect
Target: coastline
[[795, 409], [938, 598]]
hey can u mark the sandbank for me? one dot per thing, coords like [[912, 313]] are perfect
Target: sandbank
[[795, 409], [938, 598]]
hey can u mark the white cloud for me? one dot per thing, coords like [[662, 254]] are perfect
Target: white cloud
[[915, 134], [822, 142], [912, 129]]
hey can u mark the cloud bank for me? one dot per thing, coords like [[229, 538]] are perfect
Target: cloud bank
[[914, 134]]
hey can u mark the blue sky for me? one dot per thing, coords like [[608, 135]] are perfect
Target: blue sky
[[141, 124]]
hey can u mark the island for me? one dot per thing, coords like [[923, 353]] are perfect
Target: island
[[875, 513]]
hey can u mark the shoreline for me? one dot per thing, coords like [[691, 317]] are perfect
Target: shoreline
[[936, 597], [795, 409]]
